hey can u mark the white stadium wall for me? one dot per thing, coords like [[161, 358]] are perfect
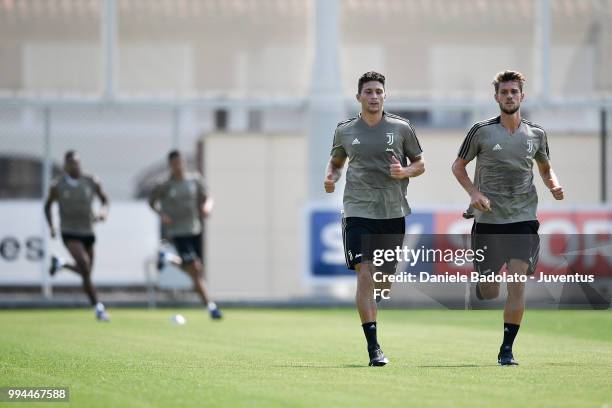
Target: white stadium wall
[[254, 237]]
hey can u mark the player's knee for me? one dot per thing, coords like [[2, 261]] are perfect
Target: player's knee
[[196, 267], [489, 292], [380, 281], [86, 278], [193, 269], [518, 267], [382, 285], [516, 290], [364, 275], [490, 295], [83, 266], [196, 279]]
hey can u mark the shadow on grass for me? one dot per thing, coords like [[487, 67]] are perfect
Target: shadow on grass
[[314, 365], [365, 366], [570, 364], [458, 366]]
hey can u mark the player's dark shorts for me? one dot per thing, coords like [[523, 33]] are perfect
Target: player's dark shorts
[[517, 240], [87, 240], [189, 247], [362, 236]]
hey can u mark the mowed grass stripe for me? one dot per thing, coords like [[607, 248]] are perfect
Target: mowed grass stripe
[[308, 358]]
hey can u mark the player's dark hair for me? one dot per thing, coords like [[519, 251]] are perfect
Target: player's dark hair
[[370, 76], [173, 155], [69, 155], [507, 76]]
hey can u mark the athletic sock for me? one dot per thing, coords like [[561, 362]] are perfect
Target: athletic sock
[[211, 306], [510, 331], [100, 307], [169, 257], [369, 329], [61, 262]]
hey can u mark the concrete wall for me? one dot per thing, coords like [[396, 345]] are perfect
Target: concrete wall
[[255, 237]]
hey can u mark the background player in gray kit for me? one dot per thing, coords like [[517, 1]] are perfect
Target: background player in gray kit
[[504, 200], [74, 192], [378, 146], [181, 202]]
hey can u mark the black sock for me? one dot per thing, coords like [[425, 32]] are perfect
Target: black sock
[[510, 331], [369, 329]]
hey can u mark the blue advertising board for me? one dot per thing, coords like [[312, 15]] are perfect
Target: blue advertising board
[[325, 244]]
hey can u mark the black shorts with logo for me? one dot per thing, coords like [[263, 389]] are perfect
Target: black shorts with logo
[[363, 236], [87, 240], [502, 242], [189, 247]]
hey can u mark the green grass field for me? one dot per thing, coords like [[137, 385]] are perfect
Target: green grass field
[[307, 358]]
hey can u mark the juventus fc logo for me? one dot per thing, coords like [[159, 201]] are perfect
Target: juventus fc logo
[[529, 145], [390, 138]]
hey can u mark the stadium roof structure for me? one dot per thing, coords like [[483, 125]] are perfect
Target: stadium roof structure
[[113, 22], [253, 9]]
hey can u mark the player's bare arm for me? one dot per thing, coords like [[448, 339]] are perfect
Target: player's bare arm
[[51, 197], [414, 169], [205, 201], [550, 179], [101, 194], [207, 206], [334, 172], [477, 199], [153, 199]]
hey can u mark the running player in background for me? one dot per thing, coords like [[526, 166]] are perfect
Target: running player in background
[[504, 200], [74, 192], [378, 146], [181, 202]]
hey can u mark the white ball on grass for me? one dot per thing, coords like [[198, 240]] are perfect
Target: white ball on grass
[[178, 319]]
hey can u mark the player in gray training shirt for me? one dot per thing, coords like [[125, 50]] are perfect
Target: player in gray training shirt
[[379, 147], [181, 201], [503, 198], [75, 192]]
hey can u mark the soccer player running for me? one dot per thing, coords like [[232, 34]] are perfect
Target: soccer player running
[[74, 191], [378, 146], [181, 202], [503, 198]]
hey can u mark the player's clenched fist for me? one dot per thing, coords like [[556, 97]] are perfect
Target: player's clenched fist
[[480, 201], [395, 169], [329, 183], [165, 218], [557, 192]]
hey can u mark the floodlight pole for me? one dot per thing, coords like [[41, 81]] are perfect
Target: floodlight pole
[[604, 154], [326, 102], [541, 57], [108, 28], [176, 127], [46, 288]]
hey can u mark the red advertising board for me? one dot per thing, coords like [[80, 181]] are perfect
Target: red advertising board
[[576, 241]]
